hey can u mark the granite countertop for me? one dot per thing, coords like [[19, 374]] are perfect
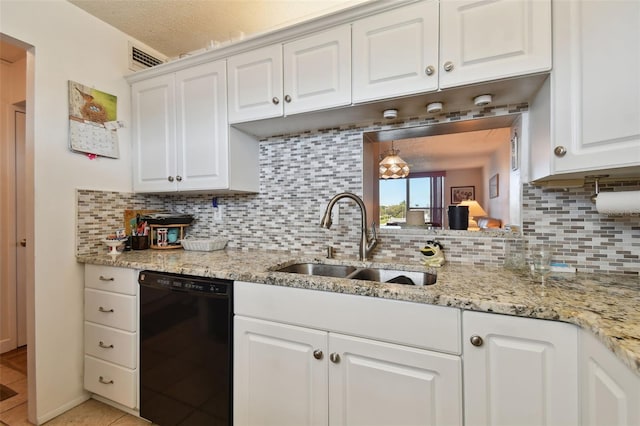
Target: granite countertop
[[605, 304]]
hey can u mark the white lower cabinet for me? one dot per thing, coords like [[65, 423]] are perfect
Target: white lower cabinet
[[277, 379], [298, 367], [519, 371], [379, 383], [304, 357], [110, 334], [290, 375], [610, 391]]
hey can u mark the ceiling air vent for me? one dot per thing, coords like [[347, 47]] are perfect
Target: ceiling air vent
[[140, 59]]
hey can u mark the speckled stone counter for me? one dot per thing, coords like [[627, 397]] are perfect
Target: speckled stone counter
[[606, 305]]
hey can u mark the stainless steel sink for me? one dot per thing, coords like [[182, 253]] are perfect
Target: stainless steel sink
[[370, 274], [338, 271], [394, 276]]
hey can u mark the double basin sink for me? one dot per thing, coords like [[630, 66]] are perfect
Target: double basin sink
[[382, 275]]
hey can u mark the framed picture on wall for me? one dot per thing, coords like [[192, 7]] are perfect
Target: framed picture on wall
[[494, 189], [462, 193]]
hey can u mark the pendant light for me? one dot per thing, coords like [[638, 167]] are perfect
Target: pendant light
[[392, 166]]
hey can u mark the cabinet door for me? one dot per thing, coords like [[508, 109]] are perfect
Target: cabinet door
[[482, 40], [255, 84], [154, 147], [395, 53], [610, 390], [595, 86], [277, 379], [523, 373], [376, 383], [317, 71], [201, 128]]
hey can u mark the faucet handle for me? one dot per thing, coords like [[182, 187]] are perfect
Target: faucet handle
[[373, 230]]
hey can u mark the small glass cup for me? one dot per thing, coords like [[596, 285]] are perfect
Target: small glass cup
[[540, 263]]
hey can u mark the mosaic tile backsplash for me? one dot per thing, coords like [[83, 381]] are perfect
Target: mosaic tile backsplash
[[300, 173]]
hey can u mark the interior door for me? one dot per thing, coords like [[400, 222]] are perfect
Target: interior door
[[21, 230], [12, 257]]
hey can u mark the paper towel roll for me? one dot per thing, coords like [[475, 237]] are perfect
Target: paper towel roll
[[623, 202]]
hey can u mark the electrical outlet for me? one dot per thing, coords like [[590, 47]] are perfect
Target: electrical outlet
[[217, 213]]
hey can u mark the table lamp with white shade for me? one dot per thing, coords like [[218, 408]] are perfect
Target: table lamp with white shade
[[475, 211]]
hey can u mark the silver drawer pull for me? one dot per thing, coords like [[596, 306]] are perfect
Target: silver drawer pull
[[102, 345], [102, 380], [101, 309], [103, 278]]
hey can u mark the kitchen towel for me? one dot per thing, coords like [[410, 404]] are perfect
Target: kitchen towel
[[618, 203]]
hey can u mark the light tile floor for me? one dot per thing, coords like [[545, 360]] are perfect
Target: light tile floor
[[95, 413], [13, 411]]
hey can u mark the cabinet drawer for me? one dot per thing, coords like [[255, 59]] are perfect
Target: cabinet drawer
[[110, 344], [109, 278], [414, 324], [110, 309], [111, 381]]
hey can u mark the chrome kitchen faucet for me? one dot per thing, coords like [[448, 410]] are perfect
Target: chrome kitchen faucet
[[366, 244]]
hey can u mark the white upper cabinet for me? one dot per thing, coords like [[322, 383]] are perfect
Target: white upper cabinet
[[487, 40], [395, 53], [181, 137], [587, 117], [255, 84], [519, 371], [180, 131], [308, 74], [201, 127], [154, 124]]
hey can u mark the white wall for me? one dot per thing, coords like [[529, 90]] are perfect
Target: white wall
[[462, 177], [68, 45], [500, 164]]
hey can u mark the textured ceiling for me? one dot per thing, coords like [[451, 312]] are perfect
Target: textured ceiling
[[174, 27], [451, 151]]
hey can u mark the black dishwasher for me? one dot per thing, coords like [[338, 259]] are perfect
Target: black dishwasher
[[186, 344]]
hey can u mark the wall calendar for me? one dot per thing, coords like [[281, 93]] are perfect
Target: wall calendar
[[93, 121]]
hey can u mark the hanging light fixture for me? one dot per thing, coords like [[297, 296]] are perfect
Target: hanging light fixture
[[392, 166]]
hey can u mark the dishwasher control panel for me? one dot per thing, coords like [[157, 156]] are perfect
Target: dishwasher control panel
[[189, 283]]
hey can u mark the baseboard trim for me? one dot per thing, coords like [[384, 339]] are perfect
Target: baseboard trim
[[63, 408]]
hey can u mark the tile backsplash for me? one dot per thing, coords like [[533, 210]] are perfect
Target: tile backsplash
[[300, 173]]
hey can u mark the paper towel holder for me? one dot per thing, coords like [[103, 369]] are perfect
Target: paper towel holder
[[596, 179]]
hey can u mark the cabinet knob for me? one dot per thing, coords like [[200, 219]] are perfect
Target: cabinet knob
[[23, 242], [103, 278], [335, 358], [429, 70], [106, 382], [179, 178], [560, 151], [170, 178], [476, 340], [101, 309], [287, 98], [317, 354], [448, 66], [102, 345], [275, 100]]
